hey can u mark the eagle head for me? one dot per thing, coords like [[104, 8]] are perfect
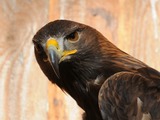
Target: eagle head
[[67, 49]]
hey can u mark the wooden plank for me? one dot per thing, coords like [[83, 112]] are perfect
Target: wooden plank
[[23, 88], [61, 105]]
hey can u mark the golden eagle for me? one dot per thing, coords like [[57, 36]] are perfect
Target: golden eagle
[[107, 83]]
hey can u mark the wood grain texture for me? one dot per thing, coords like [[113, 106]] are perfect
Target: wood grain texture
[[23, 90], [25, 93]]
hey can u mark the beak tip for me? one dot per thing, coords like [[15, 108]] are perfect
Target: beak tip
[[56, 71], [54, 60]]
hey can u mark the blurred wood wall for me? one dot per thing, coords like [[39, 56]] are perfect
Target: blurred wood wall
[[25, 93]]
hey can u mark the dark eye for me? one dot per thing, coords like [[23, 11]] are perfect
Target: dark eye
[[73, 37], [39, 48]]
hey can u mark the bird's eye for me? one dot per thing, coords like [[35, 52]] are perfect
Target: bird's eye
[[73, 37], [39, 48]]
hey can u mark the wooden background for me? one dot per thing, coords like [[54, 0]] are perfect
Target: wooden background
[[25, 93]]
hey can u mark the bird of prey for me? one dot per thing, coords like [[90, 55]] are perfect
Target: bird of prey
[[107, 83]]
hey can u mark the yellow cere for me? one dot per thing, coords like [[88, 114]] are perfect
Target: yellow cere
[[66, 53], [52, 42]]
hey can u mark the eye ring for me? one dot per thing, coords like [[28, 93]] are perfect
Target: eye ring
[[73, 37]]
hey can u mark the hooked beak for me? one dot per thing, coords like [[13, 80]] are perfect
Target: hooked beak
[[56, 55]]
